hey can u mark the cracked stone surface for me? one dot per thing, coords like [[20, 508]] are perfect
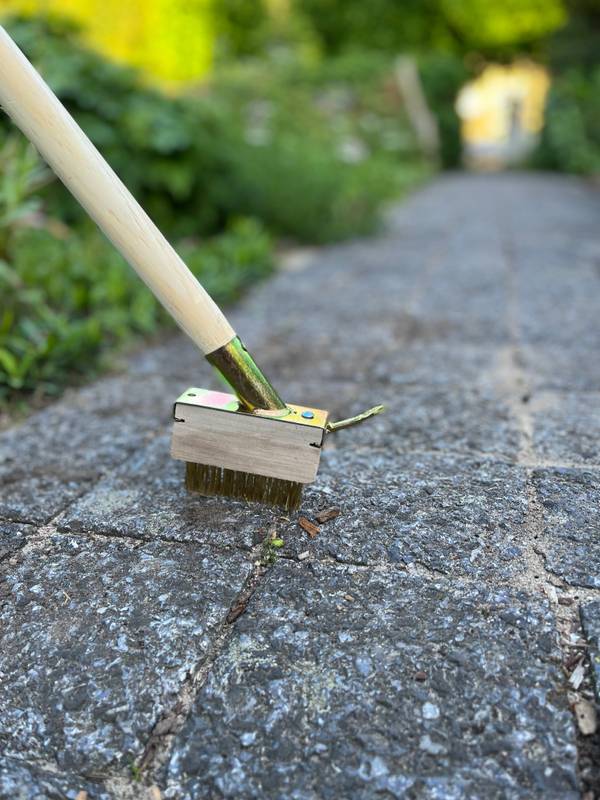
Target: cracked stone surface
[[417, 646], [96, 638], [454, 515], [570, 500], [12, 538], [567, 428], [146, 499], [348, 683], [20, 780]]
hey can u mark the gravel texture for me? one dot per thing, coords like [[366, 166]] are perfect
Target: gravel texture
[[97, 636], [570, 500]]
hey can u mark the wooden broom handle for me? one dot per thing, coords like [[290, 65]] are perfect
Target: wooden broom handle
[[36, 110]]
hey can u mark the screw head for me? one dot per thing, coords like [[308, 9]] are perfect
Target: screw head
[[308, 415]]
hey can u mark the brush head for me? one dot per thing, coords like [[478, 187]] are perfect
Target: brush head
[[265, 456], [211, 481]]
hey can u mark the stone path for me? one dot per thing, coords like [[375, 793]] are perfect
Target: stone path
[[433, 639]]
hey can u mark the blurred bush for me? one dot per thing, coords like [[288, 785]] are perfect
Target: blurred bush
[[324, 144], [66, 296], [570, 140], [194, 161]]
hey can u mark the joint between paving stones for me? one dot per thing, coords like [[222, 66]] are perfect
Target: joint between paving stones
[[117, 535], [566, 607], [162, 736]]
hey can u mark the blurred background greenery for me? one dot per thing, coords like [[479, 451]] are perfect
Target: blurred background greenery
[[245, 126]]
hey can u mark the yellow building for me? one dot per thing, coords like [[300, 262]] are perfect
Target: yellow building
[[502, 111], [170, 39]]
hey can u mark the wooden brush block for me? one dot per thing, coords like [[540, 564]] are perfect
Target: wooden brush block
[[210, 429]]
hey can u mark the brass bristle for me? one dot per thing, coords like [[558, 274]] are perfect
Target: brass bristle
[[221, 482]]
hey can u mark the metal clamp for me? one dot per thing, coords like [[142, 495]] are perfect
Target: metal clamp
[[241, 372]]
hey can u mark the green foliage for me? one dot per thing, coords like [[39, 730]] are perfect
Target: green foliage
[[442, 76], [166, 150], [240, 26], [458, 26], [501, 29], [323, 144], [194, 161], [376, 25], [270, 548], [577, 43], [66, 296], [571, 137]]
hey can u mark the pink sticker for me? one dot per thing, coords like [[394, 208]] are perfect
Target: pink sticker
[[216, 399]]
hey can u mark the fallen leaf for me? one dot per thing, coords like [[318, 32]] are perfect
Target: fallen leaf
[[308, 526], [585, 714], [327, 514], [236, 611]]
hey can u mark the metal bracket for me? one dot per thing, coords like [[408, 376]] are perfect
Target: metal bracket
[[221, 401], [332, 427], [299, 415]]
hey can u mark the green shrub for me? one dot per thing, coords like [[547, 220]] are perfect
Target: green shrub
[[192, 161], [166, 150], [570, 140], [67, 297], [323, 144]]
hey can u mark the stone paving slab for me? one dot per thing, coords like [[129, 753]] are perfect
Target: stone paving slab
[[458, 516], [54, 456], [454, 419], [466, 307], [561, 368], [12, 538], [570, 500], [146, 499], [421, 359], [567, 427], [96, 638], [20, 780], [342, 682], [572, 297]]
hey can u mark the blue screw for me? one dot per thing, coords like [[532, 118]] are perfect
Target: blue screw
[[308, 415]]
